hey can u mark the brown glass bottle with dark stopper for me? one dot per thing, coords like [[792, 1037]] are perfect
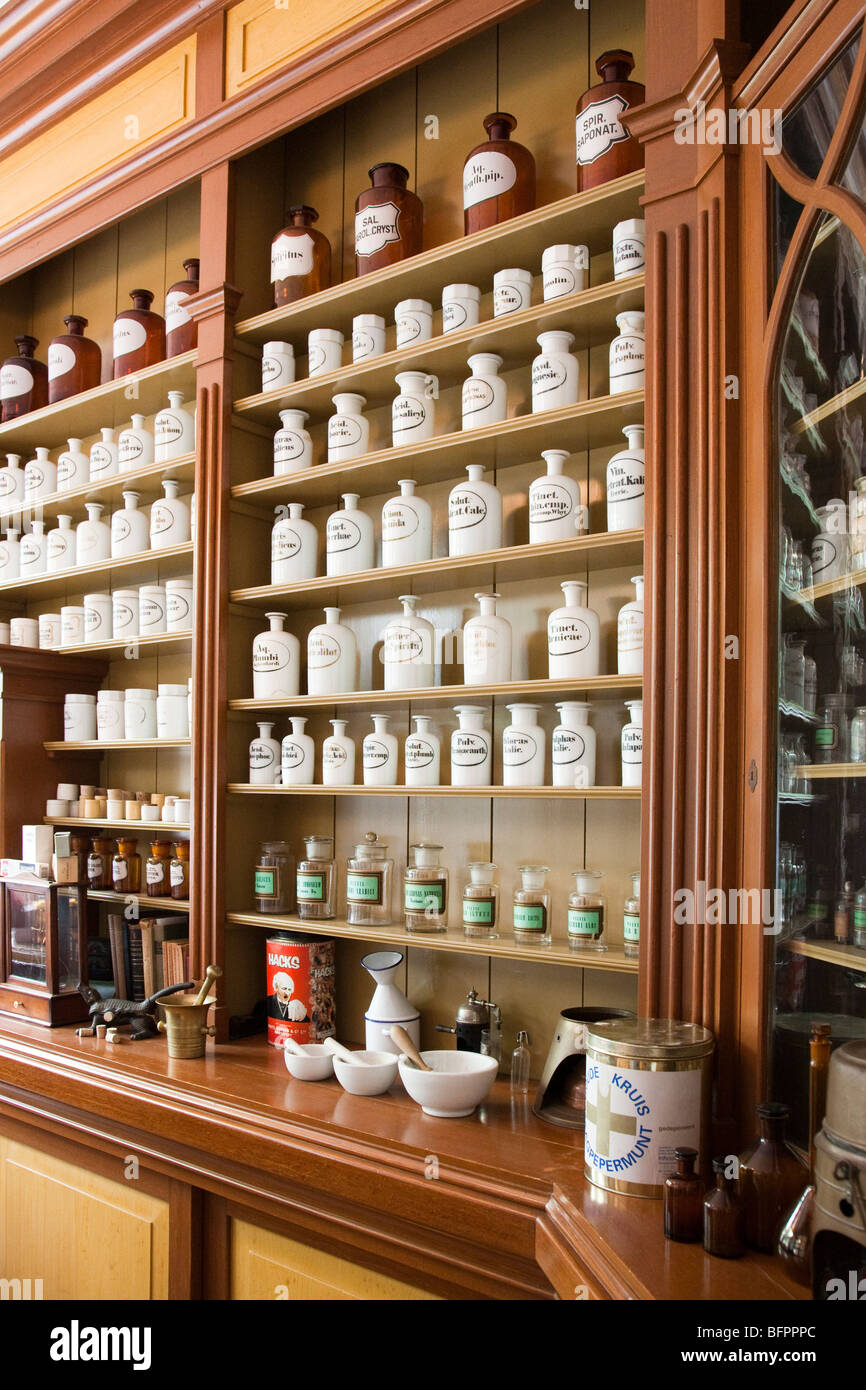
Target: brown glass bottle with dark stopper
[[772, 1178], [74, 362], [139, 336], [181, 329], [498, 177], [388, 220], [723, 1216], [300, 257], [605, 150], [684, 1199], [23, 381]]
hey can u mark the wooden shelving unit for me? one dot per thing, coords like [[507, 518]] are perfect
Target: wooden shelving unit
[[147, 567], [108, 895], [832, 771], [465, 694], [145, 481], [116, 745], [86, 822], [476, 793], [830, 952], [161, 642]]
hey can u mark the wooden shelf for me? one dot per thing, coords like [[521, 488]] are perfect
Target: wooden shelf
[[592, 424], [590, 315], [144, 480], [603, 550], [557, 953], [98, 745], [150, 566], [108, 405], [107, 895], [461, 694], [84, 822], [833, 406], [179, 642], [582, 217], [831, 952], [856, 771], [854, 579], [523, 793]]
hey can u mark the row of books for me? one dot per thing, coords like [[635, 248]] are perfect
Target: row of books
[[148, 954]]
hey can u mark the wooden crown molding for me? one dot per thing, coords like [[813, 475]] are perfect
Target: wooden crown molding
[[720, 65], [208, 304], [783, 44]]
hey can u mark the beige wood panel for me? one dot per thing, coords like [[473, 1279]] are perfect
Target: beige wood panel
[[131, 115], [52, 300], [380, 125], [260, 204], [439, 982], [267, 1265], [314, 176], [618, 26], [94, 290], [182, 233], [84, 1235], [263, 35], [141, 255]]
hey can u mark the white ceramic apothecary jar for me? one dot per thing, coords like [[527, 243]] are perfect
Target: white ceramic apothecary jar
[[151, 610], [368, 336], [563, 270], [324, 351], [338, 756], [629, 633], [264, 757], [573, 746], [632, 744], [380, 754], [278, 366], [573, 637], [173, 430], [10, 555], [135, 446], [130, 532], [471, 749], [474, 514], [60, 549], [40, 476], [348, 428], [460, 307], [422, 752], [109, 716], [294, 547], [512, 290], [124, 617], [92, 537], [172, 711], [408, 649], [628, 353], [554, 372], [104, 457], [79, 718], [12, 480], [98, 622], [276, 661], [486, 645], [139, 714], [555, 510], [483, 399], [298, 756], [350, 543], [629, 247], [73, 467], [178, 604], [414, 322], [293, 446], [169, 518], [523, 745], [626, 481], [32, 559], [332, 657], [407, 528], [413, 411], [72, 625]]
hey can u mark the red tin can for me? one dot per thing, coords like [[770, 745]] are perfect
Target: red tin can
[[301, 1001]]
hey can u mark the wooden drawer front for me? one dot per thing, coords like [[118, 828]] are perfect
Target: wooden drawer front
[[265, 1265]]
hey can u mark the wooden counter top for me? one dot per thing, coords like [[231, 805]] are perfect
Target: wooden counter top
[[495, 1204]]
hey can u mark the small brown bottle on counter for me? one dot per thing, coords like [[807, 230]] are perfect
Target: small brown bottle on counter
[[723, 1216], [23, 381], [772, 1178], [684, 1199], [605, 150], [74, 362], [139, 336], [388, 220], [498, 177], [300, 257], [181, 329]]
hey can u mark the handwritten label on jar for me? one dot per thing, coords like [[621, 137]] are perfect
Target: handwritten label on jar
[[291, 255], [598, 128], [486, 175], [155, 873], [364, 888], [402, 644], [14, 381], [61, 359], [375, 228], [567, 635], [468, 750], [176, 315], [129, 335], [568, 747], [176, 875], [465, 508], [119, 870], [95, 867]]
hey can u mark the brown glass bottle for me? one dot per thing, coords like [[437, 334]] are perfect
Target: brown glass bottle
[[179, 871], [498, 177], [23, 381], [99, 862], [723, 1216], [81, 846], [300, 257], [126, 867], [139, 336], [772, 1178], [684, 1199], [181, 330], [605, 150], [388, 220], [74, 362], [157, 869]]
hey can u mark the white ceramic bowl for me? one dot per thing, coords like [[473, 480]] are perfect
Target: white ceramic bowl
[[458, 1082], [370, 1080], [317, 1064]]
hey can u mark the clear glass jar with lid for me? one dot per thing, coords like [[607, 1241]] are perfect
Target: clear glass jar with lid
[[274, 878], [586, 911], [316, 878], [831, 735], [631, 918], [369, 883], [857, 738], [531, 906], [481, 902], [425, 890]]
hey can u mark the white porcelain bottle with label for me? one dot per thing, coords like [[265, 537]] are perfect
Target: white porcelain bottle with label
[[130, 533], [628, 353], [422, 752], [555, 510], [460, 307], [629, 247], [368, 336], [629, 633], [92, 537], [407, 528], [32, 559], [12, 480], [573, 746], [563, 270], [73, 467], [169, 518], [278, 366], [174, 430], [380, 755], [413, 319], [471, 748], [350, 543], [408, 649], [40, 476], [294, 547], [104, 457], [573, 636], [60, 549], [484, 395], [632, 744], [324, 351], [413, 412], [293, 446], [276, 661], [10, 560], [626, 475], [474, 514], [298, 756], [332, 657], [338, 757], [348, 429], [523, 744], [264, 757], [555, 377], [486, 645], [135, 446]]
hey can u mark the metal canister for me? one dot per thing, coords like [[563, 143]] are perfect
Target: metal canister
[[647, 1093]]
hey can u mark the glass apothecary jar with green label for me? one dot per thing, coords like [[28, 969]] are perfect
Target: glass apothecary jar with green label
[[369, 882], [316, 879], [274, 878], [425, 890], [586, 911], [531, 906], [481, 902]]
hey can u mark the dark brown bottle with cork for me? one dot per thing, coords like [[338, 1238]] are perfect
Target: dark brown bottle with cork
[[139, 336], [74, 362], [772, 1178], [388, 220], [300, 257], [23, 381], [498, 177], [723, 1215], [605, 150], [684, 1199], [181, 329]]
